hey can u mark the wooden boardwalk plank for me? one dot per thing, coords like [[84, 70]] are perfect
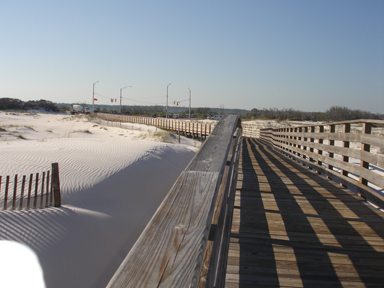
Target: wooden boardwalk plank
[[292, 228]]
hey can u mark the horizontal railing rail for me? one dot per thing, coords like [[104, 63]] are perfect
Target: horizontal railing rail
[[187, 233], [341, 150], [250, 131]]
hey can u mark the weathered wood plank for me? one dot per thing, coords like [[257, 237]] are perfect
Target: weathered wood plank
[[345, 151], [362, 171], [373, 140], [170, 251], [299, 229], [156, 260], [212, 155], [360, 188]]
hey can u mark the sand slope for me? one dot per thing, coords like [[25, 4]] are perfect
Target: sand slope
[[111, 186]]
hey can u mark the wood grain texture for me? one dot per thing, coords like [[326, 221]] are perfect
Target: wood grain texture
[[174, 235], [345, 151], [56, 185], [373, 177], [352, 184], [212, 155], [293, 228], [170, 251], [297, 142], [352, 137]]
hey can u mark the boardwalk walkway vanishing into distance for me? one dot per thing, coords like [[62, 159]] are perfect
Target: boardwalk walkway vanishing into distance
[[293, 228], [243, 214]]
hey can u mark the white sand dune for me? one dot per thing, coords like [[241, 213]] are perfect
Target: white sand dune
[[111, 185]]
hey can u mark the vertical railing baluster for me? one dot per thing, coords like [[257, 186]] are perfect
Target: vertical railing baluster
[[367, 127], [300, 130], [347, 130], [332, 129], [319, 151], [305, 139]]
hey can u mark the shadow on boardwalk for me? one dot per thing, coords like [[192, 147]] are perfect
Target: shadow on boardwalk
[[292, 228]]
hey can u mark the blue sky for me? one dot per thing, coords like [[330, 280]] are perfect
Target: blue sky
[[306, 55]]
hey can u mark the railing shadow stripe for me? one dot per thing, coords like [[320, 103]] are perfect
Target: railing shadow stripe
[[275, 167]]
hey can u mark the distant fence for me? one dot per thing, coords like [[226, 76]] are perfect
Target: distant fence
[[191, 128], [38, 191], [327, 149], [188, 128], [250, 130]]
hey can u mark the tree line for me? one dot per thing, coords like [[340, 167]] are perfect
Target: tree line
[[16, 104], [335, 113]]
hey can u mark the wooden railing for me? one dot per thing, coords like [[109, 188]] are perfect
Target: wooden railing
[[185, 243], [193, 128], [250, 131], [328, 149], [39, 191]]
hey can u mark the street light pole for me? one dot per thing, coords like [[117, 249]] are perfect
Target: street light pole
[[189, 103], [93, 97], [166, 109], [121, 89]]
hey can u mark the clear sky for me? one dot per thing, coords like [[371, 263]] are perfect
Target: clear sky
[[306, 55]]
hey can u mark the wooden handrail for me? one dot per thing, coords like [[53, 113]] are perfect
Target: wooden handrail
[[170, 251], [306, 145]]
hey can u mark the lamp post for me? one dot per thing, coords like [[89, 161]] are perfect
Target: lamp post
[[121, 89], [166, 109], [93, 97], [189, 103]]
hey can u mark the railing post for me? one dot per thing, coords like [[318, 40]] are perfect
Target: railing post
[[320, 152], [201, 132], [312, 130], [56, 185], [179, 134], [290, 141], [332, 129], [367, 127], [299, 145], [347, 129], [305, 139], [287, 143], [294, 142]]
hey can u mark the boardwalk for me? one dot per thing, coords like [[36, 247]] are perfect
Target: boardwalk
[[292, 228]]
